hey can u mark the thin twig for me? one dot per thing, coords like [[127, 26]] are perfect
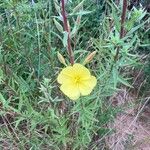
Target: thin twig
[[66, 28]]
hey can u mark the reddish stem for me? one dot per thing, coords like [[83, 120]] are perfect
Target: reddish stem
[[66, 28], [122, 30], [123, 18]]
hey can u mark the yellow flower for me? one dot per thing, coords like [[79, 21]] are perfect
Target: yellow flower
[[76, 81]]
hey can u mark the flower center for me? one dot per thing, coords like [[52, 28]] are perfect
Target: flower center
[[77, 80]]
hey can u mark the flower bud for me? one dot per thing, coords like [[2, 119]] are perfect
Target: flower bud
[[57, 7], [78, 7], [78, 20], [61, 59], [68, 26], [58, 26], [89, 57]]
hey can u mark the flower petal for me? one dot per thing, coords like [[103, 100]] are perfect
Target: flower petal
[[65, 75], [92, 82], [81, 71], [71, 90], [87, 86]]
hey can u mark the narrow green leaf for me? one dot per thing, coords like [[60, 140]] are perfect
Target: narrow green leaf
[[136, 28], [124, 82], [65, 38]]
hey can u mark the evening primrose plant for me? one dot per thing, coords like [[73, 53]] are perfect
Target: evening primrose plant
[[75, 79], [50, 104]]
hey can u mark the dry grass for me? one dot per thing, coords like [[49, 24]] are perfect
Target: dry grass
[[132, 126]]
